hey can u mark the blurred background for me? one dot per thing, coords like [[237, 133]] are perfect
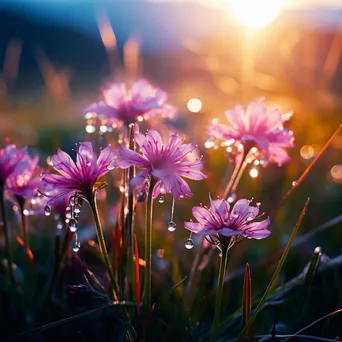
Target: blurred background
[[208, 55]]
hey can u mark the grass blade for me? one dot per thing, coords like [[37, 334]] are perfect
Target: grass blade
[[137, 274], [313, 323], [66, 320], [246, 296], [300, 180], [275, 274]]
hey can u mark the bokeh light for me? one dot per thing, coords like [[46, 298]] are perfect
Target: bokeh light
[[194, 105], [307, 152], [336, 172], [254, 172]]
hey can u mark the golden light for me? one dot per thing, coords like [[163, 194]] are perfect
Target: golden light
[[194, 105], [254, 172], [307, 152], [336, 172], [257, 13]]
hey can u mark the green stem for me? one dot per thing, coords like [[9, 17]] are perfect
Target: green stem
[[148, 248], [6, 234], [102, 244], [24, 229], [223, 266]]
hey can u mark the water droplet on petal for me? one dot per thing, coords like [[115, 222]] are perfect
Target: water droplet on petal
[[47, 210], [231, 198], [189, 244], [73, 225], [258, 204], [171, 227], [235, 214], [76, 247], [111, 167], [161, 199], [89, 164], [59, 225], [294, 183], [77, 208], [249, 218]]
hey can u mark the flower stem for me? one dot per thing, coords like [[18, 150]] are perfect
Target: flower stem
[[24, 230], [237, 173], [103, 247], [6, 234], [148, 248], [223, 266]]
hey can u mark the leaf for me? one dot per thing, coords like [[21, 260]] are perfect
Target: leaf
[[246, 296], [275, 274]]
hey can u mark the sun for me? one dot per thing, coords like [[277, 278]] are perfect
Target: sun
[[257, 13]]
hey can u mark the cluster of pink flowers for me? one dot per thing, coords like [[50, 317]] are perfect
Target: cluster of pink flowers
[[166, 164]]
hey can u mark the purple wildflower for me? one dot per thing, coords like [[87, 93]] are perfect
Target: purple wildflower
[[122, 106], [24, 180], [259, 126], [81, 177], [10, 158], [168, 163], [220, 220]]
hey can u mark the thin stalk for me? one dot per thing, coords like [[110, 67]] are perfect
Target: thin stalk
[[232, 178], [148, 248], [6, 234], [130, 214], [102, 244], [222, 270], [238, 177], [23, 226], [237, 173]]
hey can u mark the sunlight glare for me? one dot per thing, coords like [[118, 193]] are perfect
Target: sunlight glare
[[257, 13]]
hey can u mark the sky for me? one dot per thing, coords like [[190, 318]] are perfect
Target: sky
[[297, 4]]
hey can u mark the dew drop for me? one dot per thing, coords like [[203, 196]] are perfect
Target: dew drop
[[258, 204], [111, 167], [89, 164], [161, 199], [73, 225], [231, 198], [318, 250], [189, 244], [76, 247], [47, 210], [294, 183], [26, 212], [171, 226], [59, 225], [235, 214], [249, 218], [77, 208]]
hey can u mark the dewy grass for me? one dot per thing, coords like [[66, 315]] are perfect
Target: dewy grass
[[275, 274]]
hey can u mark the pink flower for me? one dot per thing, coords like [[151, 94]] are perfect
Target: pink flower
[[81, 177], [260, 126], [166, 162], [25, 181], [219, 219], [10, 159], [122, 106]]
